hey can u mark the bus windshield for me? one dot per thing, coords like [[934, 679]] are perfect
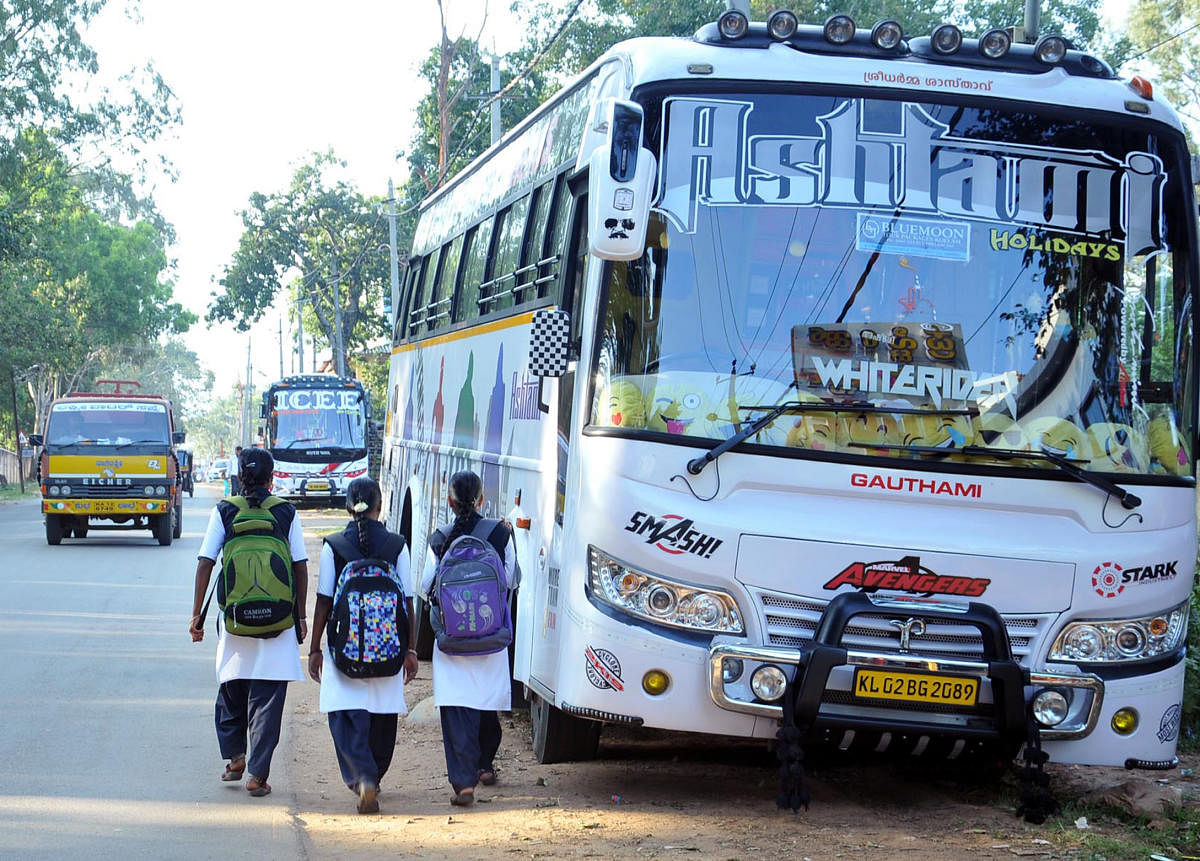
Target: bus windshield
[[1003, 277], [302, 420], [106, 423]]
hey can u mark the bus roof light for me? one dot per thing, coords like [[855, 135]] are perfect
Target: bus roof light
[[946, 39], [782, 24], [839, 29], [1050, 49], [733, 24], [887, 34], [995, 44], [1142, 87]]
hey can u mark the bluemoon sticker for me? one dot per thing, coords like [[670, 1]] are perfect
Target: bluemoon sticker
[[1168, 727], [603, 669]]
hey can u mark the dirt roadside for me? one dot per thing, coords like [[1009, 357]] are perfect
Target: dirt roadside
[[656, 796]]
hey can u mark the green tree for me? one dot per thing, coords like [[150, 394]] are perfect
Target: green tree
[[1164, 36], [323, 238], [162, 367]]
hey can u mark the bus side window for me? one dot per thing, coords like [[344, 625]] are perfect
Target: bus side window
[[478, 245], [556, 242], [438, 310], [420, 311], [415, 271], [574, 272], [502, 276], [533, 256]]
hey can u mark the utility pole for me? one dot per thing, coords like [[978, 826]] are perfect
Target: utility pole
[[281, 346], [1033, 19], [495, 87], [339, 360], [300, 327], [246, 401], [395, 256], [17, 432]]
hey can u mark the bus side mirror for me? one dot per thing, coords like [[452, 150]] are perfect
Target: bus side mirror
[[549, 343], [620, 183], [36, 439], [178, 437]]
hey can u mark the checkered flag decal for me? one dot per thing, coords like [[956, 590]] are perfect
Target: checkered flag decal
[[548, 343]]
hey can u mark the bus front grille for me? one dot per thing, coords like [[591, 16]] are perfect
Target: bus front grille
[[791, 620]]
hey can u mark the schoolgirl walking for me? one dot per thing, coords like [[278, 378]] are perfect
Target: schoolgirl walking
[[468, 689]]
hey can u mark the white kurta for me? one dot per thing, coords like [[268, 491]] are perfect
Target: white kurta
[[270, 659], [476, 681], [339, 692]]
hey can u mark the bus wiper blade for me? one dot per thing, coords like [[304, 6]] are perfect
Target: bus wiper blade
[[696, 465], [1128, 500]]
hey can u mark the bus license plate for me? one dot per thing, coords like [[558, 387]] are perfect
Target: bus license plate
[[915, 687], [317, 485]]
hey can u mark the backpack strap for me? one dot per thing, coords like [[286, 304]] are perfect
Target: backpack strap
[[437, 542], [343, 550]]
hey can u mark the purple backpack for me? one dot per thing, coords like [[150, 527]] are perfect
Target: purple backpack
[[468, 603]]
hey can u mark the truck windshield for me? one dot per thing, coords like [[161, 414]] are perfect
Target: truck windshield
[[107, 423], [1003, 277]]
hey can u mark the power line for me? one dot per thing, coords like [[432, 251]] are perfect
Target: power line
[[1165, 41]]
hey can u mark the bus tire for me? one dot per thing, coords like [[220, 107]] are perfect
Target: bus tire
[[177, 519], [424, 629], [81, 527], [560, 737], [160, 525], [54, 529]]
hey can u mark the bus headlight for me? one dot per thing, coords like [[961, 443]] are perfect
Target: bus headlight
[[660, 600], [1115, 640]]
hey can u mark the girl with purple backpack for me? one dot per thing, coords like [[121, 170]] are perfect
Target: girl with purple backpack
[[469, 689], [362, 712]]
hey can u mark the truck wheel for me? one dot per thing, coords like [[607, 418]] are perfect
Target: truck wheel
[[160, 525], [560, 737], [81, 527], [54, 529], [177, 519], [424, 630]]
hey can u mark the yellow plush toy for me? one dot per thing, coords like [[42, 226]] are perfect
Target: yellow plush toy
[[815, 430], [623, 406], [1117, 448], [999, 431], [937, 430], [1166, 446], [1060, 437], [858, 432]]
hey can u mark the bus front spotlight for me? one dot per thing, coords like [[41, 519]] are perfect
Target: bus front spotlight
[[733, 24]]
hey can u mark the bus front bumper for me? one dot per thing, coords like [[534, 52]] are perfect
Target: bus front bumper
[[834, 689], [105, 507]]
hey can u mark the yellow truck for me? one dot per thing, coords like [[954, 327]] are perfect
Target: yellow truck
[[108, 461]]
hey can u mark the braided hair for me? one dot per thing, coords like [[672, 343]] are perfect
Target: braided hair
[[362, 497], [466, 490]]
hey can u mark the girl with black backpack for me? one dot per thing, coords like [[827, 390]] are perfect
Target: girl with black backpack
[[362, 710], [469, 689]]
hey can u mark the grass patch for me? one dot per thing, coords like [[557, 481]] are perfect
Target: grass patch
[[12, 491], [1113, 834]]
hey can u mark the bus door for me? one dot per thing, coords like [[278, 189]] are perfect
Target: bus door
[[548, 598]]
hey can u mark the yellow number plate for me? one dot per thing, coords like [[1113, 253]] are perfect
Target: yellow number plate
[[915, 687], [317, 485]]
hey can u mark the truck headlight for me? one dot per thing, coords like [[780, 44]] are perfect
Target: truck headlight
[[660, 600], [1098, 641]]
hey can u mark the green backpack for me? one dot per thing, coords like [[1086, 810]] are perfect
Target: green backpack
[[255, 588]]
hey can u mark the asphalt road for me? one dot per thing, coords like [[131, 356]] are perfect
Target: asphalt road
[[107, 746]]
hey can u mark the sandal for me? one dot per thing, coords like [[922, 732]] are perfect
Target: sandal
[[464, 797], [258, 786], [232, 773], [488, 777], [368, 801]]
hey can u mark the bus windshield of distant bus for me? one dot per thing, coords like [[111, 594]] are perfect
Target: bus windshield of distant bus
[[955, 277], [317, 420]]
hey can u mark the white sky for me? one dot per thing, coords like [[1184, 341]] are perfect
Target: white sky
[[263, 83]]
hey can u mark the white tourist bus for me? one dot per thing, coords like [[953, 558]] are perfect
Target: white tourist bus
[[826, 366], [317, 428]]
